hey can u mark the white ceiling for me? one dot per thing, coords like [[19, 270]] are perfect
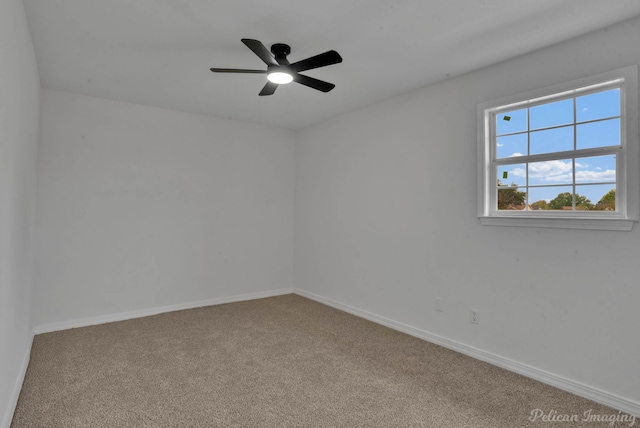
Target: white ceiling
[[158, 52]]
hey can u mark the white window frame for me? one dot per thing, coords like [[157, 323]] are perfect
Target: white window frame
[[627, 157]]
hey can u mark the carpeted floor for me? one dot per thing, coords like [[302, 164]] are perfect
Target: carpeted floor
[[277, 362]]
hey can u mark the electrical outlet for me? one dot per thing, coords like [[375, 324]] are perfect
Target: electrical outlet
[[439, 304], [475, 316]]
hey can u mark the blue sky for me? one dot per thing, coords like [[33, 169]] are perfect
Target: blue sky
[[511, 130]]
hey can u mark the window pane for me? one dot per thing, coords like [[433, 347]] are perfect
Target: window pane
[[512, 199], [598, 134], [552, 140], [601, 196], [598, 105], [564, 200], [512, 145], [511, 121], [512, 175], [551, 172], [551, 114], [596, 169], [540, 197]]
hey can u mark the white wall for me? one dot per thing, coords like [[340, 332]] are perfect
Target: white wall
[[141, 208], [19, 92], [385, 222]]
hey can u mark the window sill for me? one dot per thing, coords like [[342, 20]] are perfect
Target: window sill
[[624, 225]]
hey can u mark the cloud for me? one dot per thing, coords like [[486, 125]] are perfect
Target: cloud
[[518, 172], [595, 176], [557, 171], [583, 177], [553, 171]]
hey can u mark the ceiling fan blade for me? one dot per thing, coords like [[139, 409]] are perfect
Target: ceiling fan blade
[[237, 70], [320, 85], [268, 89], [321, 60], [259, 49]]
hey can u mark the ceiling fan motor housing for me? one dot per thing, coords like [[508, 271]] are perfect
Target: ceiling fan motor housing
[[280, 49]]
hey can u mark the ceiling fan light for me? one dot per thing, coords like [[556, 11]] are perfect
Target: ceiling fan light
[[280, 77]]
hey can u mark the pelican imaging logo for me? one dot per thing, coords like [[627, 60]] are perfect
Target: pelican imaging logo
[[613, 419]]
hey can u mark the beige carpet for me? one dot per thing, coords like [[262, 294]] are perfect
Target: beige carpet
[[278, 362]]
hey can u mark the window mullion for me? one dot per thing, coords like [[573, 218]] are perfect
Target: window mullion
[[573, 160], [526, 165]]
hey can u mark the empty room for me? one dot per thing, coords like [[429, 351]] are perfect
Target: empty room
[[315, 214]]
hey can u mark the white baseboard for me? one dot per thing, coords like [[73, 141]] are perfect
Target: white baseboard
[[17, 387], [577, 388], [84, 322]]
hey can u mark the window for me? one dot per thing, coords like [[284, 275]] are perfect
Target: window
[[564, 156]]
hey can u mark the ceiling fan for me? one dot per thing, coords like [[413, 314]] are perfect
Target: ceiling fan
[[279, 71]]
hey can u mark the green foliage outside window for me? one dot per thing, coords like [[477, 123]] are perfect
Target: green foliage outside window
[[513, 199]]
